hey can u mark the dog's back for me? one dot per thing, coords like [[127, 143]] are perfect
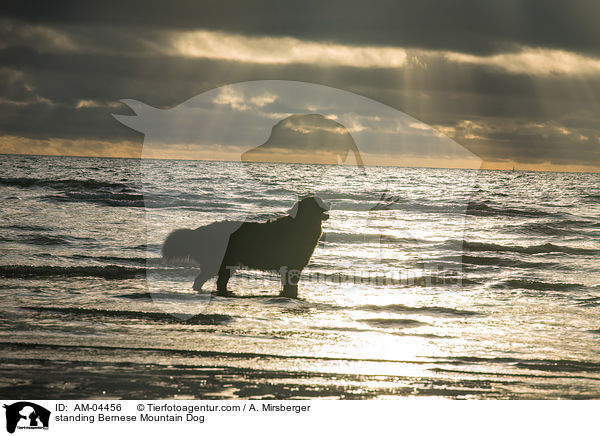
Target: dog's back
[[199, 244], [284, 242]]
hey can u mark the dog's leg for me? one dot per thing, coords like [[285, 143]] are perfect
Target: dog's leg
[[225, 273], [289, 279], [200, 280]]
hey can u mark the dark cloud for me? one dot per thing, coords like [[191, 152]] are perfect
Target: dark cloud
[[468, 26], [532, 147], [44, 121]]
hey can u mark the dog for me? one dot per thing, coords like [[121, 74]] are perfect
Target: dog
[[283, 245]]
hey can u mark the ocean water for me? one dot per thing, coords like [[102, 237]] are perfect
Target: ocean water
[[428, 282]]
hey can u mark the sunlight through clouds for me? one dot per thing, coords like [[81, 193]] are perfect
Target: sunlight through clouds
[[276, 50], [228, 96], [534, 61]]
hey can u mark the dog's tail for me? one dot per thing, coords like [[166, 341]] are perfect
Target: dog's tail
[[179, 245], [204, 245]]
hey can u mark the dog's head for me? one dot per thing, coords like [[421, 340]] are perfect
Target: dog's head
[[310, 208]]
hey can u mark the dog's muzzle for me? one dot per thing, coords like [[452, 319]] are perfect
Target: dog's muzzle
[[325, 207]]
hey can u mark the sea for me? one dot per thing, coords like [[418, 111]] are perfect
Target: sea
[[439, 283]]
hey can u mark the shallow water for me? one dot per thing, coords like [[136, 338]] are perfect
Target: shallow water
[[430, 282]]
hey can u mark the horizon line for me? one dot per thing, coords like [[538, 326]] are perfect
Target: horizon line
[[305, 163]]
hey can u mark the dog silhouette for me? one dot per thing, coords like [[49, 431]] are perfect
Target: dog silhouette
[[284, 245], [32, 411]]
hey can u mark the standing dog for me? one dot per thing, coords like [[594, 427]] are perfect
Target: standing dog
[[284, 245]]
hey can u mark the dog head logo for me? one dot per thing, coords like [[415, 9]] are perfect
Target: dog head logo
[[273, 122], [306, 138], [285, 121], [26, 415]]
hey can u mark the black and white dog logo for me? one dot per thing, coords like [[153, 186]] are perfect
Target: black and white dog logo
[[26, 415]]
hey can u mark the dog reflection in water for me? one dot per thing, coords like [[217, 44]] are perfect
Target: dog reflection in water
[[284, 245]]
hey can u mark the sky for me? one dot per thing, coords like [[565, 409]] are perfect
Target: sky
[[514, 82], [291, 121]]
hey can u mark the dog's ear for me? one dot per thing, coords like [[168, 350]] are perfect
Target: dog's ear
[[322, 204], [294, 210]]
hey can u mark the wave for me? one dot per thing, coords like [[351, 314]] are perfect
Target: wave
[[136, 296], [134, 260], [431, 310], [589, 302], [510, 263], [532, 249], [546, 229], [37, 240], [392, 322], [45, 239], [27, 227], [382, 280], [577, 223], [373, 206], [64, 184], [365, 238], [452, 207], [104, 198], [116, 194], [202, 318], [536, 285], [482, 209], [140, 201], [201, 353], [592, 198], [550, 365], [107, 272], [359, 330]]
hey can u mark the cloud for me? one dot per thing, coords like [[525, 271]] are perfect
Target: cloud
[[518, 141], [228, 96], [43, 37], [210, 44], [282, 50], [465, 26], [67, 147], [43, 121], [93, 103], [535, 61]]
